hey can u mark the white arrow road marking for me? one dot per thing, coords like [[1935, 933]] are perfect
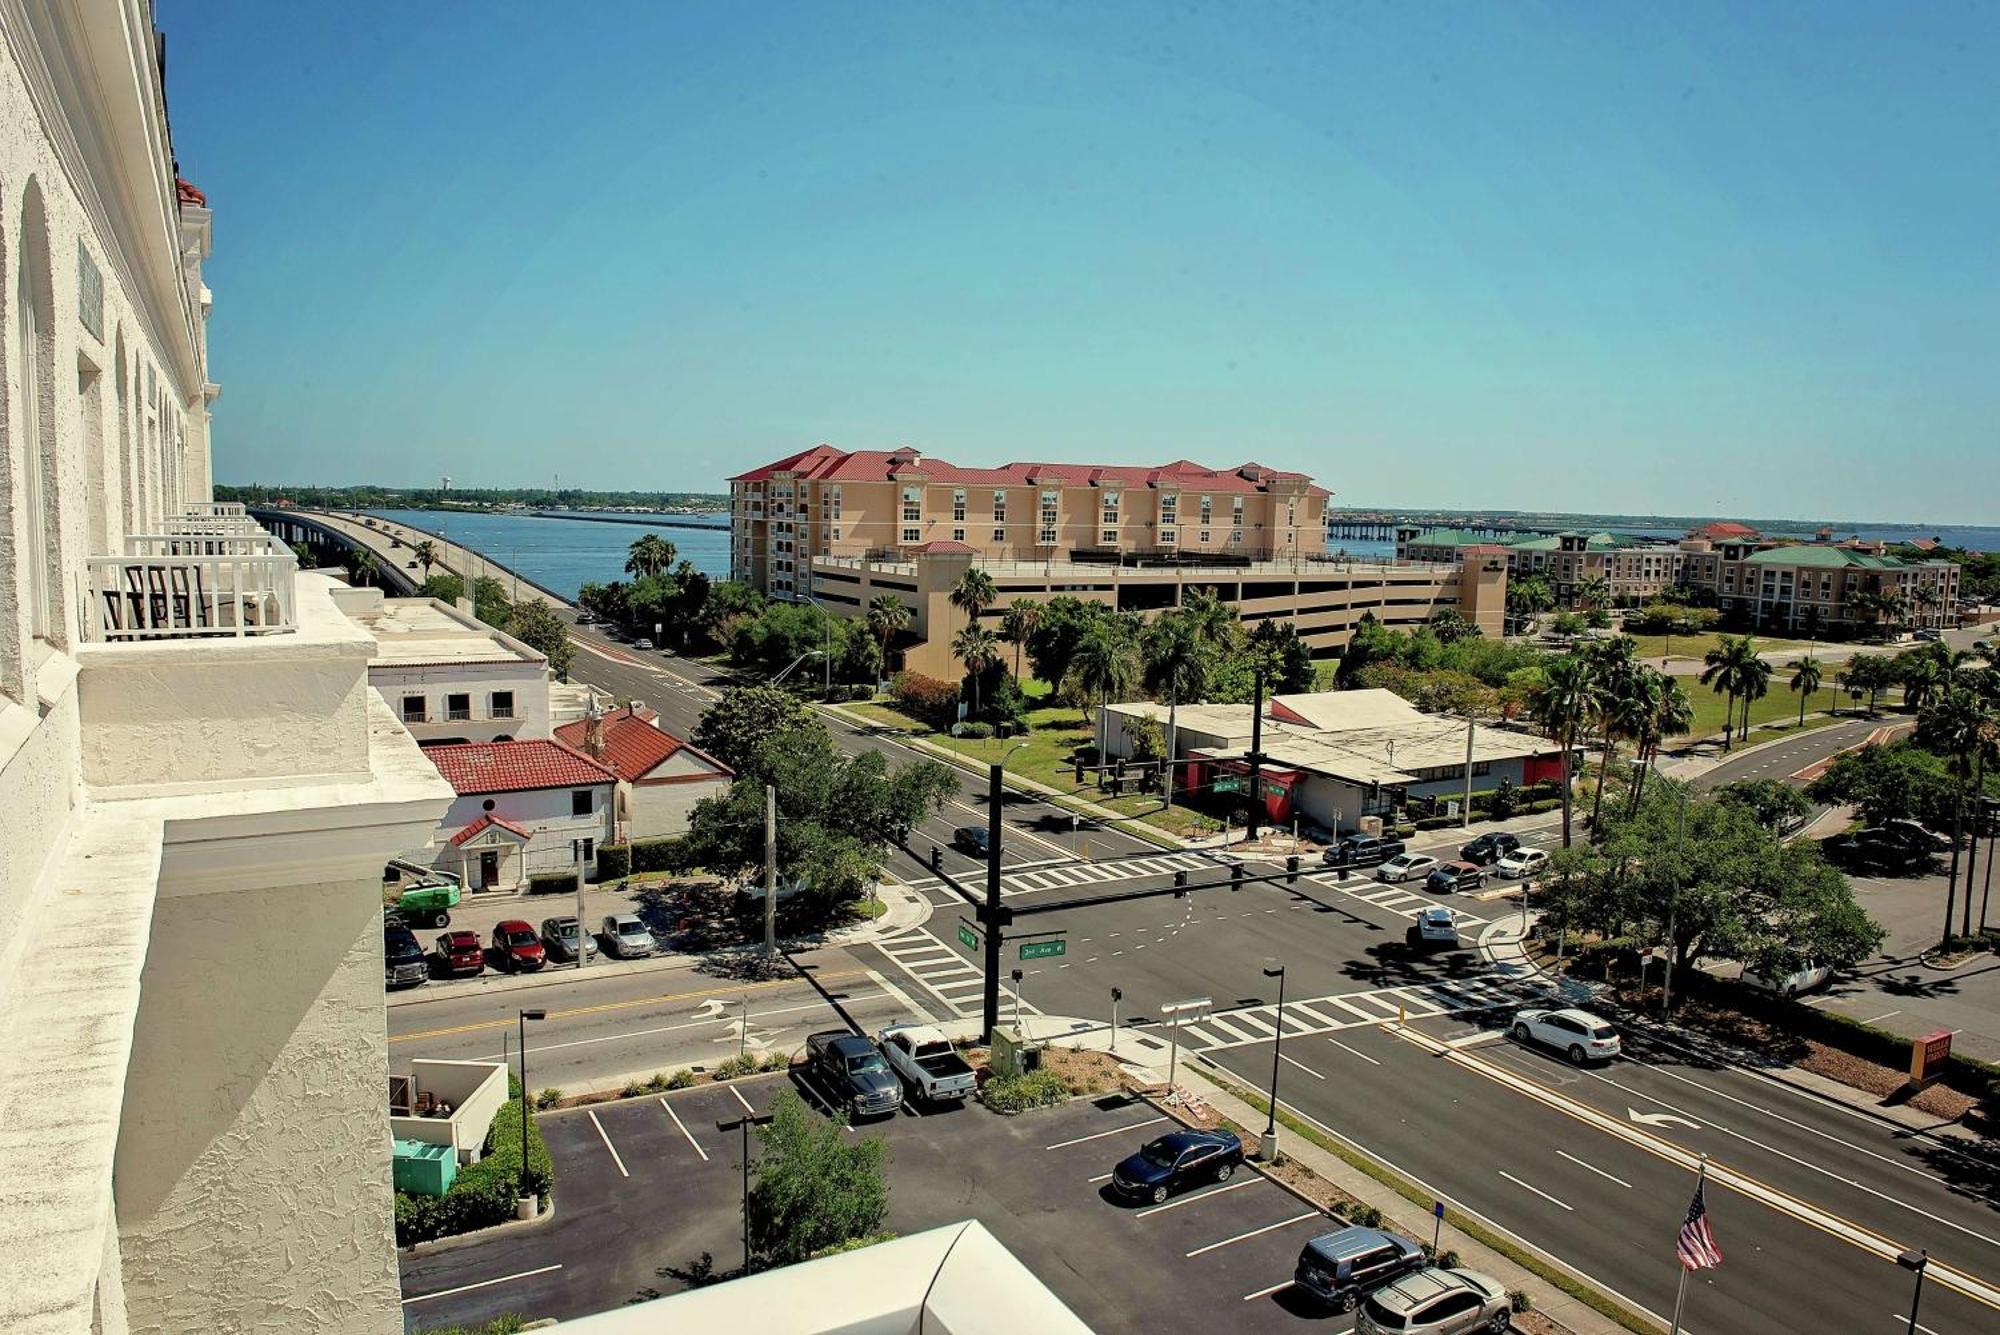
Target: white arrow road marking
[[1660, 1119]]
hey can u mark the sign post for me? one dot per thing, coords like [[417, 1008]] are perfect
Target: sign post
[[1437, 1227], [1193, 1008], [966, 937], [1042, 950]]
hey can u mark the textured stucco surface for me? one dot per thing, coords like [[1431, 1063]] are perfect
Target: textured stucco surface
[[253, 1174]]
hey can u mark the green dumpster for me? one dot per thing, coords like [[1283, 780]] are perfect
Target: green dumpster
[[424, 1170]]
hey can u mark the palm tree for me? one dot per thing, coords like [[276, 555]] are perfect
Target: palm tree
[[367, 569], [978, 649], [649, 556], [1727, 671], [1564, 705], [1924, 677], [1962, 726], [1213, 620], [1176, 665], [1672, 716], [1619, 700], [1805, 680], [1594, 592], [1756, 685], [1105, 664], [973, 593], [888, 618], [427, 556], [1023, 619]]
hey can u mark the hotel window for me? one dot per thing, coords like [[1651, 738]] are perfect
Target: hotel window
[[913, 505], [835, 535], [579, 801], [1110, 509], [458, 707], [413, 709], [999, 507], [1167, 537], [1235, 537], [1291, 514], [958, 535], [958, 507], [1050, 501], [833, 503], [999, 535], [1204, 537], [1236, 512], [1207, 511], [500, 705], [1109, 537], [1170, 505], [913, 535]]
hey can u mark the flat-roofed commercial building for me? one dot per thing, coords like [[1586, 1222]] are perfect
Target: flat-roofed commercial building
[[841, 528]]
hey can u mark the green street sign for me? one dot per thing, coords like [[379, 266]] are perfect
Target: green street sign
[[1041, 950], [966, 938]]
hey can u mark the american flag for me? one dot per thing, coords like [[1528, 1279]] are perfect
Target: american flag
[[1697, 1249]]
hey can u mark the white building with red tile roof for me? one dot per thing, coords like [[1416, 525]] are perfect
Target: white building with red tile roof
[[523, 808], [660, 777]]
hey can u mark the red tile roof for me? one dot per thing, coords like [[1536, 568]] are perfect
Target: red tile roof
[[945, 548], [824, 463], [633, 747], [1725, 528], [485, 822], [515, 767]]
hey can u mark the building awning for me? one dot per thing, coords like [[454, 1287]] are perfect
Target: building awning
[[495, 829]]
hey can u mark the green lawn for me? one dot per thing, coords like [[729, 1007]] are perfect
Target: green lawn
[[1695, 646]]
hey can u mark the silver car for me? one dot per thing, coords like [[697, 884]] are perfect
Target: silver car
[[627, 937], [1436, 1302]]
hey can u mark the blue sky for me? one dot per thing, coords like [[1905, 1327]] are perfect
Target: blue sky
[[1685, 258]]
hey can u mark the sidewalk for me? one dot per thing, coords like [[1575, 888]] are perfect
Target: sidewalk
[[1145, 1057], [903, 908]]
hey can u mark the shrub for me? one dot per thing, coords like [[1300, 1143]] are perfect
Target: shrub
[[731, 1067], [552, 883], [775, 1061], [933, 701], [1018, 1093], [483, 1193], [614, 862], [681, 1079], [656, 1082], [855, 1244], [548, 1098], [1367, 1216], [975, 731], [1520, 1300], [662, 854], [1436, 822], [632, 1090]]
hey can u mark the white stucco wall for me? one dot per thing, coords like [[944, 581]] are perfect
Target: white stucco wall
[[528, 681], [654, 807], [545, 813]]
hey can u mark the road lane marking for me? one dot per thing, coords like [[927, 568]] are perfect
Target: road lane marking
[[1537, 1190], [1256, 1232], [1302, 1066], [1248, 1181], [613, 1149], [1906, 1323], [484, 1283], [730, 990], [1354, 1051], [1065, 1144], [1474, 1040], [683, 1128], [540, 1048], [1595, 1169]]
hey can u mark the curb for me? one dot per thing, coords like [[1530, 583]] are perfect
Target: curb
[[458, 1240]]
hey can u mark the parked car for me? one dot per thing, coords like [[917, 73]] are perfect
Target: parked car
[[1435, 1301], [404, 963], [1521, 863], [460, 953], [1362, 850], [1434, 929], [970, 840], [1790, 984], [1489, 848], [516, 948], [854, 1074], [1898, 847], [560, 937], [1175, 1162], [929, 1065], [627, 937], [1928, 634], [1576, 1034], [1454, 876], [586, 619], [1406, 867], [643, 642], [1345, 1266]]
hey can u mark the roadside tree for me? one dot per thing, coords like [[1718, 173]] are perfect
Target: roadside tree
[[815, 1186], [536, 625]]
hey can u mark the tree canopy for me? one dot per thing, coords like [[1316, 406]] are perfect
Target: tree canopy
[[814, 1187]]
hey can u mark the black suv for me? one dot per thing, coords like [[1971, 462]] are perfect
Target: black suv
[[1489, 848], [970, 840], [1897, 846], [404, 963], [1362, 850], [1343, 1267]]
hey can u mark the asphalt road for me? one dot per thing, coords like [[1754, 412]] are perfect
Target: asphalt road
[[1783, 759]]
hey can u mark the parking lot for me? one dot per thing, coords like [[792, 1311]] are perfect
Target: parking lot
[[645, 1187]]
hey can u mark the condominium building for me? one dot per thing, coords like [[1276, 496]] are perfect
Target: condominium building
[[840, 528], [198, 787]]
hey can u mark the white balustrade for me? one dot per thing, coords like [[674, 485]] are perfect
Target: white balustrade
[[155, 596], [259, 543]]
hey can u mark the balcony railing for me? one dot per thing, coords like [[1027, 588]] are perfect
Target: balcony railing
[[159, 597], [258, 543], [209, 525], [217, 509]]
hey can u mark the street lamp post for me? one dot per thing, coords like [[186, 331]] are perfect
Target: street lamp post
[[1117, 995], [527, 1105], [1269, 1148], [743, 1124], [1918, 1261]]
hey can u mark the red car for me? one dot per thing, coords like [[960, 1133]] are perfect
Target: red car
[[459, 953], [517, 947]]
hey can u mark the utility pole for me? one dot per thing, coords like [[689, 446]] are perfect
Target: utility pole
[[770, 870], [990, 915], [1256, 759], [1465, 812]]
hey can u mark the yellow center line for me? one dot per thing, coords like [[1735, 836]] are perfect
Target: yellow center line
[[730, 990]]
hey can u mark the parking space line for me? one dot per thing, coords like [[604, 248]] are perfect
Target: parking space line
[[1257, 1232], [1101, 1177], [613, 1149], [1065, 1144], [683, 1129], [1265, 1293], [1595, 1169], [742, 1102], [1353, 1051], [1537, 1190], [1250, 1181], [482, 1284], [1302, 1066]]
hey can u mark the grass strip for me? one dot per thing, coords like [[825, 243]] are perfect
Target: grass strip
[[1601, 1303]]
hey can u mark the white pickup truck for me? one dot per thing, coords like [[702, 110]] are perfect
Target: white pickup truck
[[927, 1062]]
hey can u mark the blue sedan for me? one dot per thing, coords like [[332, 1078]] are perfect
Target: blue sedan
[[1175, 1162]]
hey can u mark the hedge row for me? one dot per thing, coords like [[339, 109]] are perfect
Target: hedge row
[[617, 861], [483, 1194], [552, 883]]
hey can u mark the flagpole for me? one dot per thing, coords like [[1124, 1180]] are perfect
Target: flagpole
[[1680, 1293]]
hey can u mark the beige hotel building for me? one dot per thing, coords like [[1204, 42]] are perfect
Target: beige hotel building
[[840, 527]]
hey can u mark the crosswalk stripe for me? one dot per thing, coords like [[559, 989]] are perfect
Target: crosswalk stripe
[[1223, 1024]]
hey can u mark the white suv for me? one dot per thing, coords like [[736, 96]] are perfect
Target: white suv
[[1436, 1302], [1521, 863], [1406, 867], [1576, 1034]]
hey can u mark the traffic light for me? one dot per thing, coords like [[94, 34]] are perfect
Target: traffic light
[[1180, 880], [1235, 876], [1292, 870], [1078, 761], [937, 858]]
